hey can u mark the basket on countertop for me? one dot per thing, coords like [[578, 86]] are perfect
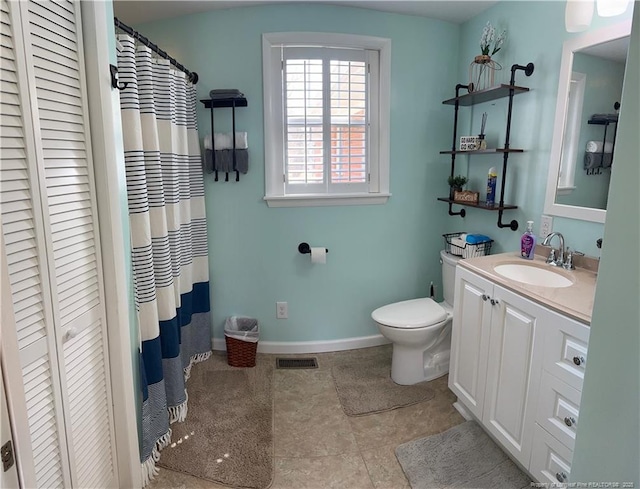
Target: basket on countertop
[[456, 246]]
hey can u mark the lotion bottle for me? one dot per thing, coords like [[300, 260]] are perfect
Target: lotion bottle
[[528, 242]]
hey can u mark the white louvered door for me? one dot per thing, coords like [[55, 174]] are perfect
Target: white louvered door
[[50, 228]]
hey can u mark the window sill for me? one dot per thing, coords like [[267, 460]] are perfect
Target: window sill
[[321, 200], [565, 190]]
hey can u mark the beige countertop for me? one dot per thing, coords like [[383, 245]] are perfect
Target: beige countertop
[[575, 301]]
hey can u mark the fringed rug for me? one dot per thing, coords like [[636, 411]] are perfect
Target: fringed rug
[[461, 457], [228, 435], [366, 388]]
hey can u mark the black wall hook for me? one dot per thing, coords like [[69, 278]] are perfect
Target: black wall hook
[[114, 78], [304, 248]]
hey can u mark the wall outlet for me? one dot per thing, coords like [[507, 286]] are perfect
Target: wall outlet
[[546, 226], [282, 310]]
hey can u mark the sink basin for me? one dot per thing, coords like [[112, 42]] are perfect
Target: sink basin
[[532, 275]]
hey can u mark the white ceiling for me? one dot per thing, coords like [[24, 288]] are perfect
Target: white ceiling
[[455, 11], [614, 50]]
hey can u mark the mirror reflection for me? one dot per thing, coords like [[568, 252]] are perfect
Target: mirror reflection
[[588, 145]]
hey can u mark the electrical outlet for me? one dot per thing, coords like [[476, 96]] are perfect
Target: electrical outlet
[[282, 310], [546, 226]]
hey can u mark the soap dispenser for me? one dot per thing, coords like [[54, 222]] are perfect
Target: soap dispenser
[[528, 242]]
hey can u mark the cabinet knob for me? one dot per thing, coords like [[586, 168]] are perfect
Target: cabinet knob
[[578, 360], [70, 334], [569, 420], [494, 302], [561, 476], [485, 297]]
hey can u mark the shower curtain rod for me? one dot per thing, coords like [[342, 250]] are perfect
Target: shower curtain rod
[[191, 75]]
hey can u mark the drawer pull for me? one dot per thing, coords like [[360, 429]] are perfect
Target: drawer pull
[[494, 302], [485, 297], [569, 420], [561, 476], [578, 360]]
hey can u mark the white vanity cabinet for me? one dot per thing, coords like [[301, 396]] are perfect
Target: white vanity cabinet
[[517, 367]]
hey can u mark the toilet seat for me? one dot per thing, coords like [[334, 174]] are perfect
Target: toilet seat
[[415, 313]]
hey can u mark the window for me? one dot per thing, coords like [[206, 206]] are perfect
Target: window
[[326, 119]]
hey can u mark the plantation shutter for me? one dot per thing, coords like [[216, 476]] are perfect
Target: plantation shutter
[[50, 225], [326, 119]]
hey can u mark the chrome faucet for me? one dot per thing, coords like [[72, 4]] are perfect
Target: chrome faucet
[[557, 260]]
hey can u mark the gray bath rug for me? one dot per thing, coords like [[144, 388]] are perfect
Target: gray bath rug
[[366, 388], [461, 457], [228, 435]]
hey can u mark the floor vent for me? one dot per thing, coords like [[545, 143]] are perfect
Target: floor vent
[[296, 363]]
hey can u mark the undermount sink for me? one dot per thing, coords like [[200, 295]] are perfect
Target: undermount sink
[[533, 275]]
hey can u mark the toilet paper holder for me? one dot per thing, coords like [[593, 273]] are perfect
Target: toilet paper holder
[[304, 248]]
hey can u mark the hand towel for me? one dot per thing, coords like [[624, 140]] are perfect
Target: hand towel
[[222, 140], [596, 147], [596, 160]]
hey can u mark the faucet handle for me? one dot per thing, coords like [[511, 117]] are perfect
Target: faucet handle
[[552, 256], [568, 261]]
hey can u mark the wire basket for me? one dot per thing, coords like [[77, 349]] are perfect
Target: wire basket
[[241, 353], [455, 246]]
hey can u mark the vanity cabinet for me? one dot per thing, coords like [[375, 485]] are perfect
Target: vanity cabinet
[[517, 368]]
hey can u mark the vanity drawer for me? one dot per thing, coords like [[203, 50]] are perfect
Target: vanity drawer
[[565, 350], [558, 409], [550, 459]]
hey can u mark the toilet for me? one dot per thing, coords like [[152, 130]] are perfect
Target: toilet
[[420, 330]]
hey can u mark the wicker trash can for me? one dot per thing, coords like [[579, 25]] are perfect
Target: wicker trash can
[[241, 337]]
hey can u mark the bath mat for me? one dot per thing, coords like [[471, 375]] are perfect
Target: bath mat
[[461, 457], [366, 388], [228, 435]]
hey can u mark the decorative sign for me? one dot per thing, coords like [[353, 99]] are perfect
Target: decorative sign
[[466, 196], [469, 143]]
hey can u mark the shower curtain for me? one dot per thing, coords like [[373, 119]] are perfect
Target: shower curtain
[[165, 191]]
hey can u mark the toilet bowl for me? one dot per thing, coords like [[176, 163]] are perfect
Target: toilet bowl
[[420, 331]]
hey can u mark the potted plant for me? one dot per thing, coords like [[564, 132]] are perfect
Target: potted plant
[[456, 183]]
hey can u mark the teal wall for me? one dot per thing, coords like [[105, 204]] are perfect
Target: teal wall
[[535, 33], [603, 87], [378, 253], [608, 442]]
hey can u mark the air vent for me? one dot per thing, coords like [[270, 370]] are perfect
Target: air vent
[[296, 363]]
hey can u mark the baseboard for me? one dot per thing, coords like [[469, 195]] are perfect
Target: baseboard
[[290, 347], [464, 412]]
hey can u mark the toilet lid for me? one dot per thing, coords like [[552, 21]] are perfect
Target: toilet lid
[[416, 313]]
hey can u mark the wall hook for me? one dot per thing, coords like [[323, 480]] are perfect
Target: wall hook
[[114, 78]]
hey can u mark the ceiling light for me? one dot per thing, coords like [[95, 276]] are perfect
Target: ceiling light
[[610, 8], [578, 15]]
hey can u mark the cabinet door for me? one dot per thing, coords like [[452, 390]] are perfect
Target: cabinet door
[[513, 371], [470, 340]]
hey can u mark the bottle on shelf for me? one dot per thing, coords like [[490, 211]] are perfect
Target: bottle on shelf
[[492, 178]]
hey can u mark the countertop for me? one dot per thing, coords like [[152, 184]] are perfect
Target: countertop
[[575, 301]]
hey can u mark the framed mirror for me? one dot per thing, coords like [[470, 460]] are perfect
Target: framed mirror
[[583, 146]]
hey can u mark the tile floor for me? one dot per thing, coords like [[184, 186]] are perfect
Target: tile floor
[[316, 446]]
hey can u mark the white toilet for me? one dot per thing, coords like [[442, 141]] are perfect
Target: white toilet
[[420, 330]]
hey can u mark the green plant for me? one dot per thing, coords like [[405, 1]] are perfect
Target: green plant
[[489, 44], [457, 182]]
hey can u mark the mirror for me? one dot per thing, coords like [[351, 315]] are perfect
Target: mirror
[[590, 85]]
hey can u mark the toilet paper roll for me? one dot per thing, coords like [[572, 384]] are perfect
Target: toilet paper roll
[[318, 255]]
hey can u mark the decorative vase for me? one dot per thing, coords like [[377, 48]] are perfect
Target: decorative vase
[[452, 191], [482, 72]]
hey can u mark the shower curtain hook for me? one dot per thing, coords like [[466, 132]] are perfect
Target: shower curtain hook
[[114, 78]]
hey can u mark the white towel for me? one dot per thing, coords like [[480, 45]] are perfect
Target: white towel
[[596, 147], [222, 140]]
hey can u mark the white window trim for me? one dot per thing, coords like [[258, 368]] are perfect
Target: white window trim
[[274, 185]]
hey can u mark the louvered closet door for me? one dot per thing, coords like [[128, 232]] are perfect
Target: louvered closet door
[[73, 325]]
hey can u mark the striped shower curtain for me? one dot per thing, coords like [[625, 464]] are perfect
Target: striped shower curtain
[[169, 237]]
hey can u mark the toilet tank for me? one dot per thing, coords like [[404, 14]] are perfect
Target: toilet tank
[[449, 263]]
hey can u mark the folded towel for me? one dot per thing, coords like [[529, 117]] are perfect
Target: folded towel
[[596, 147], [225, 92], [477, 238], [224, 160], [596, 160], [603, 118], [222, 140]]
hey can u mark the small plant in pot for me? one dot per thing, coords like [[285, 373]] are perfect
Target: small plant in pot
[[456, 183]]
